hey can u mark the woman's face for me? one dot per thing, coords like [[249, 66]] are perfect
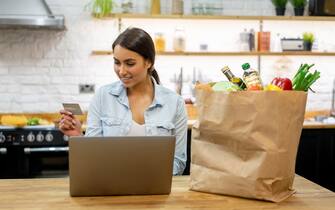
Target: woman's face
[[130, 66]]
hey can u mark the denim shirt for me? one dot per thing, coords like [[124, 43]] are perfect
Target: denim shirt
[[109, 115]]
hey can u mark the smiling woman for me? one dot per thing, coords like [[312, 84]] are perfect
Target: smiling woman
[[137, 104]]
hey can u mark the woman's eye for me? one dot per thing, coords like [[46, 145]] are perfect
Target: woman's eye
[[116, 62], [130, 64]]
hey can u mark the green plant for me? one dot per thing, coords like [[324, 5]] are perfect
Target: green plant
[[100, 8], [279, 3], [308, 37], [298, 3]]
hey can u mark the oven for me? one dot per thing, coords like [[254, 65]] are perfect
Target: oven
[[33, 151]]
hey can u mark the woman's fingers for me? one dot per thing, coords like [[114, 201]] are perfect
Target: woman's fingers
[[69, 119], [64, 112], [66, 124]]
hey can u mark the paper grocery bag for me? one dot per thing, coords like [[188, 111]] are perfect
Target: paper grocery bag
[[245, 143]]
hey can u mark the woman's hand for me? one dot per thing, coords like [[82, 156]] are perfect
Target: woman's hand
[[69, 125]]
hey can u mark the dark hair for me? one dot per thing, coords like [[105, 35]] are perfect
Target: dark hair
[[139, 41]]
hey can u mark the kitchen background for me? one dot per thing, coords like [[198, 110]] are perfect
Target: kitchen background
[[40, 69]]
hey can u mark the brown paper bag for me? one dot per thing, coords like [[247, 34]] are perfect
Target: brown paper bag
[[245, 143]]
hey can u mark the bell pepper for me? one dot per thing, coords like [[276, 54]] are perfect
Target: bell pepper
[[272, 87], [283, 83]]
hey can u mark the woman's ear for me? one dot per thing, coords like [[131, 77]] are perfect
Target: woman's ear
[[147, 64]]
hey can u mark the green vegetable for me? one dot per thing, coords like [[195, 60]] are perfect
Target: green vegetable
[[225, 86], [33, 121], [303, 79]]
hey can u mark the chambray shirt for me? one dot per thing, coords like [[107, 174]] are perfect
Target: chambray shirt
[[109, 115]]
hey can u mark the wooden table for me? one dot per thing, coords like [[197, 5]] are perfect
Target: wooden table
[[307, 125], [54, 194]]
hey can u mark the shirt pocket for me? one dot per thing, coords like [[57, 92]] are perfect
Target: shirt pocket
[[164, 129], [111, 126]]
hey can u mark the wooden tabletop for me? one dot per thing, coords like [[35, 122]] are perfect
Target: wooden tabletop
[[54, 194], [307, 125]]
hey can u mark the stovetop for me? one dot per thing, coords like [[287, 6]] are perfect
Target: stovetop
[[40, 135]]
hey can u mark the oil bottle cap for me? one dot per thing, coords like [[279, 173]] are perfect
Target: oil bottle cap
[[245, 66], [225, 68]]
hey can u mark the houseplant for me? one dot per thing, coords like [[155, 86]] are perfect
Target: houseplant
[[299, 7], [308, 38], [280, 6], [100, 8]]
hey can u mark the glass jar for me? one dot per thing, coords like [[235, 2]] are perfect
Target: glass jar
[[155, 7], [177, 7], [159, 42], [179, 40]]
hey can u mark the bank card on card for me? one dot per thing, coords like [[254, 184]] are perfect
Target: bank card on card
[[73, 108]]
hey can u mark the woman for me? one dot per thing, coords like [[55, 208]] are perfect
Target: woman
[[137, 104]]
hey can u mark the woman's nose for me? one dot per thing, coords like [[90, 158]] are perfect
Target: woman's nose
[[122, 70]]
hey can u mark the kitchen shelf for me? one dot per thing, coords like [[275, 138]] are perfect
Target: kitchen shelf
[[290, 53], [220, 17]]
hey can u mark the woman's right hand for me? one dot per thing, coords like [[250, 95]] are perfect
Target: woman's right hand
[[69, 124]]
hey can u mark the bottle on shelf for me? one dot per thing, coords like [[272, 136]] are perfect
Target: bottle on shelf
[[244, 41], [251, 78], [179, 40], [155, 7], [177, 7], [252, 40], [232, 78], [159, 42]]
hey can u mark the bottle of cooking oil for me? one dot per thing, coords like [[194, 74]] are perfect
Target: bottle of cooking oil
[[159, 42], [251, 78], [231, 77]]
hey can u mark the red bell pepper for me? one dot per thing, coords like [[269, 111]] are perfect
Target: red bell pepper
[[283, 83]]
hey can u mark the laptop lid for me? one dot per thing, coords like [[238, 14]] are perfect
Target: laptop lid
[[127, 165]]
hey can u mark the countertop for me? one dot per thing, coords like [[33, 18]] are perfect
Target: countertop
[[307, 125], [54, 194]]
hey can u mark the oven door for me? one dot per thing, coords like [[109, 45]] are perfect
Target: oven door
[[46, 161]]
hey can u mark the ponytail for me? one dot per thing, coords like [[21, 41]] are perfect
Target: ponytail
[[154, 74]]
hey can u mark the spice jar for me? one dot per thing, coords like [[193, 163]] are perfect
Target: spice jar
[[159, 42], [179, 40], [177, 7]]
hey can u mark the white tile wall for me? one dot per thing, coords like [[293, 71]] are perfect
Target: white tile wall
[[40, 69]]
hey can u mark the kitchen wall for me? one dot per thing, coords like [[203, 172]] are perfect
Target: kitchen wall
[[40, 69]]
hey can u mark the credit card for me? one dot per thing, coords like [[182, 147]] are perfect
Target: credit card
[[73, 108]]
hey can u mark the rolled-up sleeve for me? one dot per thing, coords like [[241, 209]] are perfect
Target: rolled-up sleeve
[[181, 138]]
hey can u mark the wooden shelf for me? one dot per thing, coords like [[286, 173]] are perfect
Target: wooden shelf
[[217, 17], [290, 53]]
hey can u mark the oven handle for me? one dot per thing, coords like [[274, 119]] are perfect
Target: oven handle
[[3, 151], [28, 150]]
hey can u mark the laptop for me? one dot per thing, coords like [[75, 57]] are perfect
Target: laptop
[[127, 165]]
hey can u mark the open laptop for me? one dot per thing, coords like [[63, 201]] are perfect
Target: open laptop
[[128, 165]]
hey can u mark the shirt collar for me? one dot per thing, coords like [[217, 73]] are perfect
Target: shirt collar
[[120, 91]]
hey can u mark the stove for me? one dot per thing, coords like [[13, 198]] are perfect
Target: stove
[[32, 151], [31, 136]]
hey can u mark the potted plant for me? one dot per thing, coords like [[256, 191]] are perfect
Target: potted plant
[[308, 38], [280, 6], [100, 8], [299, 7]]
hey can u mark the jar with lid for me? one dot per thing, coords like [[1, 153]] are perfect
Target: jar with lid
[[159, 42], [179, 40], [177, 7]]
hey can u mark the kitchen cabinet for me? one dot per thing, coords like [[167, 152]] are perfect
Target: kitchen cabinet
[[316, 156], [259, 22]]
